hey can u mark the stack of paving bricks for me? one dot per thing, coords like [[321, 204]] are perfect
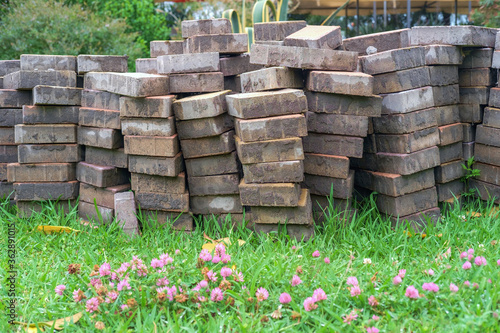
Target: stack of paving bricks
[[205, 129], [11, 113], [103, 173], [47, 137], [487, 145], [399, 162]]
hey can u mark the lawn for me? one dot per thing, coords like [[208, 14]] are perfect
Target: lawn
[[162, 281]]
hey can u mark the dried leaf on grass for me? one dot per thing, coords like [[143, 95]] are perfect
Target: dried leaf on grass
[[51, 229], [58, 324], [213, 242]]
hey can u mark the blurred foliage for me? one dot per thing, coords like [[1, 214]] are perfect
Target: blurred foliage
[[488, 14], [50, 27]]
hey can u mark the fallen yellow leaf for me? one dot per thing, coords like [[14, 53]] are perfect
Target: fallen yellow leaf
[[58, 324], [208, 246], [51, 229], [213, 242]]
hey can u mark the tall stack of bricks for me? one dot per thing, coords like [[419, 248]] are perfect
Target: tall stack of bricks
[[487, 145], [47, 137], [399, 164], [103, 173], [11, 114]]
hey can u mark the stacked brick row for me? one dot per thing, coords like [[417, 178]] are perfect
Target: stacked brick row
[[487, 145], [11, 114], [103, 173], [47, 137]]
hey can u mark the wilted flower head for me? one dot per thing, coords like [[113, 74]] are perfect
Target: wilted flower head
[[78, 295], [412, 292], [372, 301], [285, 298]]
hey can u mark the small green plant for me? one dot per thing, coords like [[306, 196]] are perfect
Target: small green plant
[[470, 172]]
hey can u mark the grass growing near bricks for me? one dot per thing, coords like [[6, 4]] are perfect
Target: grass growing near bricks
[[367, 249]]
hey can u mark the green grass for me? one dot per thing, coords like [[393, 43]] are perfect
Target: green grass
[[266, 261]]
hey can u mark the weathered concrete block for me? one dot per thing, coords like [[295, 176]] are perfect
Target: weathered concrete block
[[47, 172], [300, 233], [488, 135], [315, 37], [407, 143], [394, 185], [322, 210], [494, 98], [14, 98], [49, 153], [344, 104], [230, 66], [177, 221], [270, 195], [159, 166], [125, 212], [102, 63], [7, 136], [46, 191], [417, 222], [215, 145], [443, 75], [333, 145], [302, 214], [336, 187], [453, 35], [224, 43], [406, 123], [474, 95], [95, 213], [447, 172], [218, 204], [11, 117], [495, 62], [274, 172], [146, 65], [212, 165], [393, 60], [3, 171], [471, 113], [382, 41], [303, 58], [103, 196], [27, 208], [488, 173], [165, 47], [100, 118], [100, 137], [39, 62], [159, 146], [486, 191], [442, 55], [449, 134], [450, 152], [469, 132], [149, 107], [201, 106], [100, 100], [6, 190], [232, 83], [276, 31], [45, 133], [205, 27], [491, 117], [446, 95], [9, 66], [188, 63], [148, 126], [409, 203], [48, 95], [468, 150], [128, 84], [337, 124], [280, 127], [408, 101], [448, 114], [450, 190], [26, 80], [477, 77], [110, 157], [476, 57], [269, 151], [204, 127], [214, 185], [370, 144], [402, 80], [163, 201], [158, 184], [407, 164], [359, 84], [266, 104], [270, 79], [196, 82], [101, 176], [326, 165]]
